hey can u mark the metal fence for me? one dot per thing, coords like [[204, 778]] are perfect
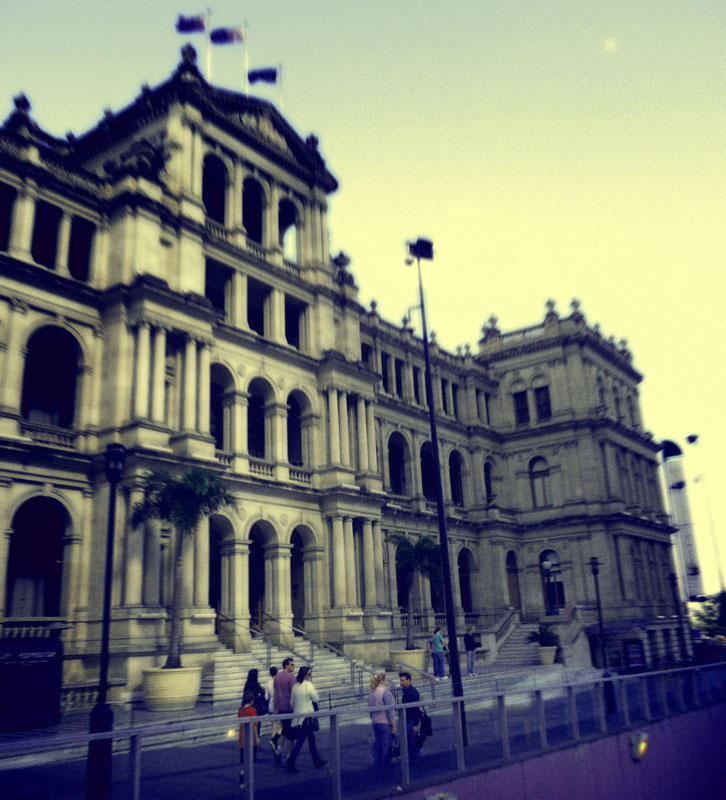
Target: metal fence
[[494, 728]]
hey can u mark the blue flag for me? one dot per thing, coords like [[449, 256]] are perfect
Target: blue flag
[[190, 24]]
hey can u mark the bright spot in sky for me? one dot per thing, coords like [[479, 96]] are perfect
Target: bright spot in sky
[[610, 45]]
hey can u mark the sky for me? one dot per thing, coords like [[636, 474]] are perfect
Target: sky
[[551, 149]]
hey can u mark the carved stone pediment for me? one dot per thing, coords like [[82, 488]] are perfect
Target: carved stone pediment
[[262, 125]]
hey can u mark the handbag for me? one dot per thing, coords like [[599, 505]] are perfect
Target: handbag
[[314, 721], [426, 728], [395, 749]]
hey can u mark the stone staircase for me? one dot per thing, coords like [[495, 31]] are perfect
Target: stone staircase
[[516, 651], [337, 679]]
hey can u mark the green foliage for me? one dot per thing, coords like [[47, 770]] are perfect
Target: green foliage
[[422, 556], [711, 617], [544, 637], [183, 501]]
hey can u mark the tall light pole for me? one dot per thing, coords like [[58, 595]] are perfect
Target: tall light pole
[[423, 248], [98, 770]]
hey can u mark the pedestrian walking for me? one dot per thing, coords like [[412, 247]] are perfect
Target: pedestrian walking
[[304, 701], [247, 709], [470, 647], [270, 696], [282, 684], [438, 653], [253, 685], [413, 715], [383, 719]]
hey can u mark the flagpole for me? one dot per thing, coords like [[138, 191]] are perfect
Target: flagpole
[[209, 44], [247, 64]]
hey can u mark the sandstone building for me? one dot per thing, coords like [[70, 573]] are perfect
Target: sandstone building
[[165, 282]]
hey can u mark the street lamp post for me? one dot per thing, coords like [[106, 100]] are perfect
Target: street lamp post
[[673, 579], [98, 771], [423, 248]]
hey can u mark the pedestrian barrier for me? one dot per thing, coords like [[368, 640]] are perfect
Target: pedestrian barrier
[[519, 723]]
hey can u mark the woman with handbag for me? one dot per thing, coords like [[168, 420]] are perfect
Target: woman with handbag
[[304, 701]]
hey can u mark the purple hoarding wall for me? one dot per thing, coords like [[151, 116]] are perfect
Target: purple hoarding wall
[[685, 760]]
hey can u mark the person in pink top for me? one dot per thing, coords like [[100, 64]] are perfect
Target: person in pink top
[[282, 685], [383, 718]]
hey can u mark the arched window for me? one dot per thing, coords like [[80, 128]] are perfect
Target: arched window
[[35, 559], [221, 407], [553, 589], [253, 209], [428, 473], [455, 478], [259, 427], [465, 562], [49, 381], [214, 188], [294, 432], [397, 463], [287, 227], [488, 490], [539, 477]]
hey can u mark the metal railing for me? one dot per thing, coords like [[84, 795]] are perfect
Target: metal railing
[[502, 726]]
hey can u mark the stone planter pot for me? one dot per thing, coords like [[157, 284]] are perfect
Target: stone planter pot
[[416, 658], [547, 655], [171, 689]]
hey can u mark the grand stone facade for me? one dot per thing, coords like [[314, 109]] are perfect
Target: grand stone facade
[[165, 282]]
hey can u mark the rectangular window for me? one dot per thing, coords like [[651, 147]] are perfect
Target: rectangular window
[[521, 408], [79, 248], [399, 377], [417, 385], [487, 398], [366, 354], [385, 369], [445, 396], [455, 399], [294, 321], [257, 297], [215, 285], [7, 200], [542, 401], [45, 234]]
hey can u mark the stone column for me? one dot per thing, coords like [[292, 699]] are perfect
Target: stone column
[[344, 432], [203, 389], [312, 568], [70, 589], [134, 554], [273, 223], [141, 383], [371, 429], [351, 570], [14, 362], [158, 383], [380, 583], [333, 428], [369, 560], [277, 316], [277, 588], [61, 250], [21, 225], [362, 435], [239, 588], [339, 599], [240, 422], [190, 385], [239, 300], [5, 537], [201, 564], [152, 563]]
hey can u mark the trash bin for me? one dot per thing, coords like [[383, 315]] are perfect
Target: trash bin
[[31, 675]]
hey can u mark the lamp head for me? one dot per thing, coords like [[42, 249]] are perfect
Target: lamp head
[[421, 248], [114, 462]]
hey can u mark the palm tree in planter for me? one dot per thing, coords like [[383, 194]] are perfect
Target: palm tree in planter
[[183, 501], [420, 557], [548, 641]]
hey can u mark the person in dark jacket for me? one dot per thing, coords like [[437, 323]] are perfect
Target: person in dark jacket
[[410, 694], [255, 688], [470, 647]]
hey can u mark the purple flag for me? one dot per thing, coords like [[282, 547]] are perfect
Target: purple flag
[[227, 35]]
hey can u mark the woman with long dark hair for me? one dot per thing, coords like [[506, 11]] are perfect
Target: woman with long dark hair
[[257, 690], [304, 701]]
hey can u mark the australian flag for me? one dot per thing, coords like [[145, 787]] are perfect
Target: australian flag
[[226, 35], [190, 24], [268, 75]]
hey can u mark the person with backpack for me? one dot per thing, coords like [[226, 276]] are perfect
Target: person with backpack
[[410, 694]]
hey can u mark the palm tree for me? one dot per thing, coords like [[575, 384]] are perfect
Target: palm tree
[[183, 501], [424, 557]]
